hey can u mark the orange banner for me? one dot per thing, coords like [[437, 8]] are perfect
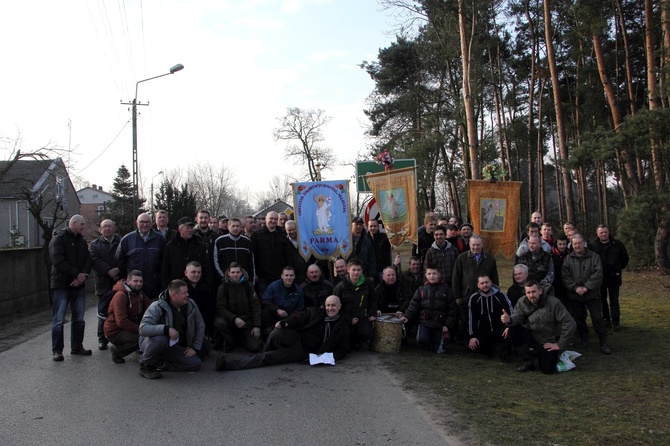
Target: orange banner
[[494, 212], [395, 192]]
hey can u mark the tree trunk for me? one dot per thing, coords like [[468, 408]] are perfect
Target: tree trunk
[[560, 121], [661, 247], [468, 102], [652, 88]]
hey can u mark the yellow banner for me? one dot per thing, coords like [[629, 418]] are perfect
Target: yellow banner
[[395, 192], [494, 212]]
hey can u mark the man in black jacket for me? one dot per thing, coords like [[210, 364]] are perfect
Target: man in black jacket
[[272, 252], [184, 248], [71, 264], [107, 272], [614, 259], [316, 330]]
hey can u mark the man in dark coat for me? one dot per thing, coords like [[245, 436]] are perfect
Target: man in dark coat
[[272, 252], [70, 265], [181, 250], [614, 258], [316, 330]]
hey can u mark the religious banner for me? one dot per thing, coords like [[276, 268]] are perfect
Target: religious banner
[[395, 192], [494, 213], [323, 219]]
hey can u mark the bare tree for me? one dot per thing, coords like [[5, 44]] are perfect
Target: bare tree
[[279, 189], [212, 185], [303, 132]]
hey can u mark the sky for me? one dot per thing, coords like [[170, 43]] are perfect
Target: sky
[[67, 66]]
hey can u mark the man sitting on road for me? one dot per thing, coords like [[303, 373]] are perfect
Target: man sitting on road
[[316, 330], [282, 298], [171, 333], [122, 326]]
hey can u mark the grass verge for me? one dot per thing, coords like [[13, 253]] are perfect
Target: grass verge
[[620, 399]]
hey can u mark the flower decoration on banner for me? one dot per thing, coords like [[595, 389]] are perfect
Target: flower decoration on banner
[[300, 189], [493, 172], [385, 159]]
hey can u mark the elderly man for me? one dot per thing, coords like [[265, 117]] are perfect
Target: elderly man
[[70, 266], [363, 248], [297, 260], [272, 252], [171, 333], [539, 262], [391, 293], [582, 276], [468, 267], [549, 327], [614, 258], [122, 326], [520, 276], [466, 233], [107, 273], [317, 330], [315, 289], [142, 249], [184, 248]]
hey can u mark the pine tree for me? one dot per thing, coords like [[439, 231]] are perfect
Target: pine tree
[[121, 209]]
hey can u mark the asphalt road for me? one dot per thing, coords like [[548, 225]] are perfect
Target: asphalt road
[[90, 400]]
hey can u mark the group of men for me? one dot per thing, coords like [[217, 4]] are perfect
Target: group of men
[[174, 295]]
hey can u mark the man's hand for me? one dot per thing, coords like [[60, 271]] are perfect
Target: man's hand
[[445, 329], [239, 322], [281, 313], [458, 301], [379, 312], [188, 352], [504, 318], [256, 332], [354, 320], [372, 318], [81, 278], [174, 334], [403, 319], [114, 272], [397, 260], [551, 346], [505, 333], [581, 290], [474, 343]]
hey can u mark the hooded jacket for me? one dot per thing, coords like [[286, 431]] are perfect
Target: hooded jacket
[[484, 312], [125, 310], [238, 299]]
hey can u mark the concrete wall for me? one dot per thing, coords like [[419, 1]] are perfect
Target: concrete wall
[[24, 280]]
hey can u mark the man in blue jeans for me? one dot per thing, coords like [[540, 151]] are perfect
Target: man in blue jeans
[[71, 264]]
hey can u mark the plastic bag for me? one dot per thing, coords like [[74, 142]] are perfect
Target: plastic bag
[[565, 361]]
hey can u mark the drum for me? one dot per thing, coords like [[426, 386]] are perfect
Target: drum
[[387, 335]]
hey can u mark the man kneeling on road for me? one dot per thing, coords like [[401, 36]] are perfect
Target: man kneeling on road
[[316, 330], [172, 333], [122, 326], [549, 327]]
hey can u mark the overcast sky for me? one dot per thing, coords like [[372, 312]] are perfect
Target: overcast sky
[[67, 65]]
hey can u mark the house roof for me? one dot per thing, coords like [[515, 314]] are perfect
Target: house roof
[[278, 206], [17, 176]]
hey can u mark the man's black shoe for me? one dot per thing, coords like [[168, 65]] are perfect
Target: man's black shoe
[[102, 346], [81, 351], [220, 363], [118, 360], [526, 367], [149, 372], [58, 357], [604, 349]]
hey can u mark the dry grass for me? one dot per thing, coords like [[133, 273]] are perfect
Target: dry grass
[[620, 399]]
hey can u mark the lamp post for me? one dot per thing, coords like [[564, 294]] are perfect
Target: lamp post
[[173, 70], [152, 190]]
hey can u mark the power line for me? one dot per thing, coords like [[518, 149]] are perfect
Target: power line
[[105, 149]]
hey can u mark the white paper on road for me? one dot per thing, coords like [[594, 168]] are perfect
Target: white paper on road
[[326, 358]]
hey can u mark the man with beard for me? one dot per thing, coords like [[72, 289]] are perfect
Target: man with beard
[[316, 330], [122, 326]]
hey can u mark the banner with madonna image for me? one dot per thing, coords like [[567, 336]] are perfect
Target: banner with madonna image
[[395, 192], [323, 218], [494, 210]]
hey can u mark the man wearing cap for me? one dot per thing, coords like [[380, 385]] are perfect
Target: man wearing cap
[[142, 249], [223, 224], [363, 248], [466, 233], [184, 248]]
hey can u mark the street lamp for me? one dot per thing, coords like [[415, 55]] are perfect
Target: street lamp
[[152, 190], [173, 70]]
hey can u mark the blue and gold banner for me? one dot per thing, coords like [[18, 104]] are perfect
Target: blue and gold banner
[[323, 219], [395, 192]]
